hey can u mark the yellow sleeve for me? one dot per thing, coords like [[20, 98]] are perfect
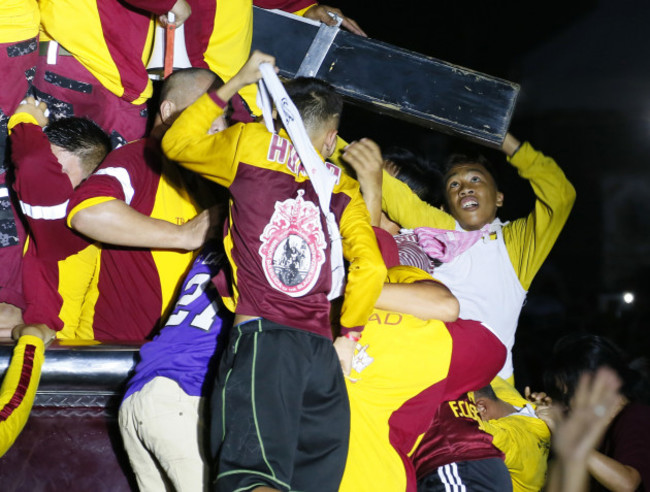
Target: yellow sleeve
[[367, 272], [301, 12], [529, 240], [406, 274], [507, 392], [20, 117], [212, 156], [525, 441], [408, 210], [399, 202], [19, 388]]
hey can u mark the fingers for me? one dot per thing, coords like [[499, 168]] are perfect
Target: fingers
[[353, 27], [322, 13], [364, 154], [181, 11], [250, 72]]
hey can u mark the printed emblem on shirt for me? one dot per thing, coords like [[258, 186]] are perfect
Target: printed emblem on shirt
[[293, 246], [362, 358]]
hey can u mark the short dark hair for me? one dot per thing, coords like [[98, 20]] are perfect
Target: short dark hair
[[575, 354], [81, 137], [486, 392], [425, 181], [469, 158], [179, 82], [316, 101]]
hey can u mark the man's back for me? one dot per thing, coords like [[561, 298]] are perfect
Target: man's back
[[136, 286]]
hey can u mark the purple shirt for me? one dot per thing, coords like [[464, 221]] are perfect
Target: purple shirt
[[184, 349]]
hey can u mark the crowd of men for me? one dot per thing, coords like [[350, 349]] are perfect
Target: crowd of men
[[315, 318]]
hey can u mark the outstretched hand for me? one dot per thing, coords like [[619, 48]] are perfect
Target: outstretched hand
[[594, 405], [181, 11], [322, 13], [35, 108], [250, 73]]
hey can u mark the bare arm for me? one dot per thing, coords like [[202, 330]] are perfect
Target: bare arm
[[425, 300], [612, 474], [115, 222]]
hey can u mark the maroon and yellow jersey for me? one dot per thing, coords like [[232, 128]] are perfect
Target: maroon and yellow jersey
[[18, 20], [218, 36], [111, 38], [59, 265], [19, 388], [277, 240], [136, 286], [456, 434], [404, 368]]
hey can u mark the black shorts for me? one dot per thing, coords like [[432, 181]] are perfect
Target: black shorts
[[280, 411], [488, 475]]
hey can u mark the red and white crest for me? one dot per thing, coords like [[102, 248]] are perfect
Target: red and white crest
[[293, 246]]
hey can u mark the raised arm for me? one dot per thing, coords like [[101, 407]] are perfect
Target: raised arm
[[188, 142], [407, 209], [529, 240]]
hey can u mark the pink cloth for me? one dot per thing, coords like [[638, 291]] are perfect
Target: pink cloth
[[444, 245]]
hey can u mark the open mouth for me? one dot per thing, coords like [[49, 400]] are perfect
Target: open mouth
[[469, 203]]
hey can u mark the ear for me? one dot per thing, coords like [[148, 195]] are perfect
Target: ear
[[481, 407], [329, 143], [167, 109], [499, 199]]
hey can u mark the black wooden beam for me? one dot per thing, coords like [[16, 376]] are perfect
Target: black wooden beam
[[390, 80]]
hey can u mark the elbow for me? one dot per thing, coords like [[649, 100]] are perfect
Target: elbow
[[569, 195], [86, 221], [79, 221], [450, 309]]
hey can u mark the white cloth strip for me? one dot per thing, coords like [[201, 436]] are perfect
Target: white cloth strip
[[122, 175], [52, 52], [320, 177], [38, 212], [4, 192]]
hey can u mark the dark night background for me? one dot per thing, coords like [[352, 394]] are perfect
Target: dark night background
[[584, 71]]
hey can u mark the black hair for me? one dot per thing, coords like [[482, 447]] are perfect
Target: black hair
[[81, 137], [486, 392], [470, 158], [316, 101], [425, 181], [576, 354]]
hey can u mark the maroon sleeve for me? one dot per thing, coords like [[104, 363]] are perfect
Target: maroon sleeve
[[124, 171], [477, 357], [286, 5], [157, 7], [631, 440], [40, 180]]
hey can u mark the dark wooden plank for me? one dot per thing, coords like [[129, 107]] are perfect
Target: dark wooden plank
[[394, 81]]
